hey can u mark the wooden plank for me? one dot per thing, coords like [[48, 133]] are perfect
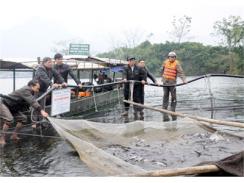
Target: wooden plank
[[181, 171], [213, 121]]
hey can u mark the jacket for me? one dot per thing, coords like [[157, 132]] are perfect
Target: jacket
[[149, 75], [171, 70], [21, 99], [44, 76], [64, 70], [137, 74]]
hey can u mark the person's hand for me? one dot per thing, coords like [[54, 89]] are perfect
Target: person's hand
[[143, 82], [80, 85], [44, 114], [64, 84], [55, 85], [185, 81]]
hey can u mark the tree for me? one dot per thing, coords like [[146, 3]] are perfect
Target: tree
[[231, 30], [133, 37], [181, 28]]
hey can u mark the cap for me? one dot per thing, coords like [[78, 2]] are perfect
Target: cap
[[131, 58], [172, 54]]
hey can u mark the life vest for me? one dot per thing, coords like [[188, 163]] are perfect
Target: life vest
[[170, 71]]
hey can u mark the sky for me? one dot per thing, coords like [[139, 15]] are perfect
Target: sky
[[32, 28]]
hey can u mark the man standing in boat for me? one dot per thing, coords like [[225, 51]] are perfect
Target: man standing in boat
[[170, 70], [64, 70], [138, 75], [15, 104]]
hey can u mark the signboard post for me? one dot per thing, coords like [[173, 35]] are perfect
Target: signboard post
[[79, 49], [60, 101]]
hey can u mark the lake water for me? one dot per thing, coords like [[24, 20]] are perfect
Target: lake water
[[37, 156]]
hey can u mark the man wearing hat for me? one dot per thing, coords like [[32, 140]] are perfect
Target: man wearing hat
[[138, 75], [171, 69]]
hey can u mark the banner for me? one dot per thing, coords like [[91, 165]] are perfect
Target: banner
[[60, 101]]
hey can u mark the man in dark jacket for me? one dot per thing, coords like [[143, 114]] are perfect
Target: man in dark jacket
[[149, 75], [15, 104], [133, 72], [64, 70], [44, 74]]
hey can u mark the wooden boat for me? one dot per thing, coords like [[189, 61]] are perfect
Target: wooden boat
[[86, 66], [96, 95]]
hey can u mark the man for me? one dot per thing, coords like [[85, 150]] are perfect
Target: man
[[141, 64], [107, 80], [44, 74], [133, 72], [171, 69], [13, 106], [64, 70]]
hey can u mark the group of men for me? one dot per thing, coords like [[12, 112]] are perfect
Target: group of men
[[14, 105], [137, 72]]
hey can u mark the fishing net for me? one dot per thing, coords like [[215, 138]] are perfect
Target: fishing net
[[110, 145], [233, 164], [136, 147]]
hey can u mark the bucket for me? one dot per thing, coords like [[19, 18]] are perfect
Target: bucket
[[82, 94], [88, 94]]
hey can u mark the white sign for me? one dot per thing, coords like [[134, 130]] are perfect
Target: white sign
[[60, 101]]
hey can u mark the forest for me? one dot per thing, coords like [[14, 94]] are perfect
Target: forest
[[196, 58]]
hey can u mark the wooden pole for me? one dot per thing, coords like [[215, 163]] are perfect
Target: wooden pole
[[213, 121], [180, 171]]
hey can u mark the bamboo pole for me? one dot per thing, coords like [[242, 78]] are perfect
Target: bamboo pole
[[180, 171], [213, 121]]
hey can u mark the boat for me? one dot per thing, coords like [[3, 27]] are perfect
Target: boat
[[96, 96], [91, 96]]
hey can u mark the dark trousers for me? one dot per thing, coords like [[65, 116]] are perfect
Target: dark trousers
[[138, 96], [169, 91]]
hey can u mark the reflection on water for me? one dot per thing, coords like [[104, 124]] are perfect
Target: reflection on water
[[36, 156]]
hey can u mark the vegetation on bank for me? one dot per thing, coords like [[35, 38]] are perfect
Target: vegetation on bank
[[196, 58]]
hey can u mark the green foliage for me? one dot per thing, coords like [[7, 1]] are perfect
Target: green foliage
[[232, 31], [196, 59]]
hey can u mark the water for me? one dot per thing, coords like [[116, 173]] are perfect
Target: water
[[36, 156]]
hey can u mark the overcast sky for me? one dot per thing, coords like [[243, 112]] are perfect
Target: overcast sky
[[30, 28]]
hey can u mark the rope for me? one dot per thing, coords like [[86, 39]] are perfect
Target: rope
[[33, 135], [198, 78], [94, 99]]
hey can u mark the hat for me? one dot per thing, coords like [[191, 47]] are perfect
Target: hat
[[172, 54], [131, 58]]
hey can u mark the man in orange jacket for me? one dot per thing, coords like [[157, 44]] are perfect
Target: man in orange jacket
[[171, 69]]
